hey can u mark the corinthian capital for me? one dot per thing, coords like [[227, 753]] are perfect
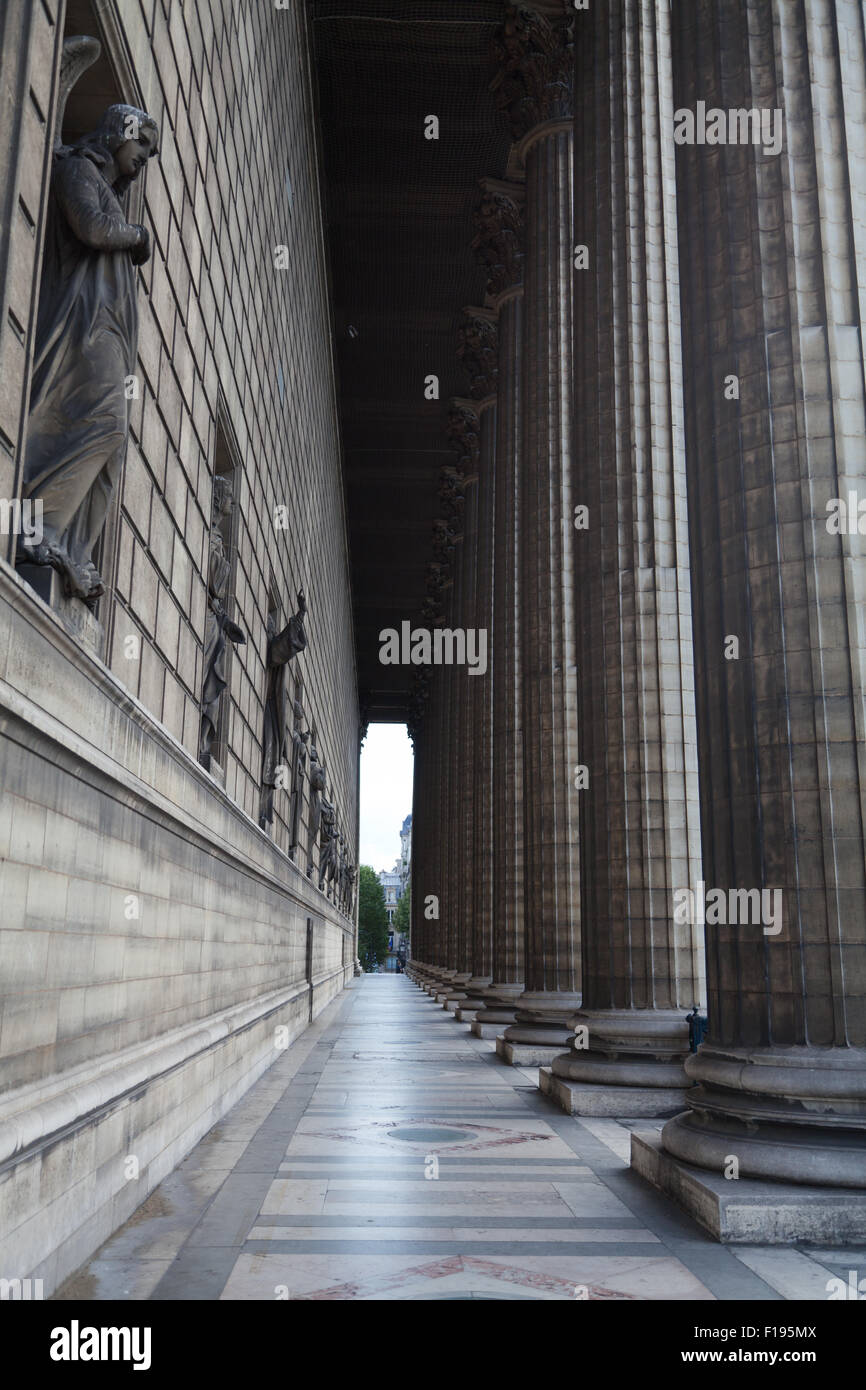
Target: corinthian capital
[[462, 431], [498, 234], [535, 82], [451, 491], [477, 348]]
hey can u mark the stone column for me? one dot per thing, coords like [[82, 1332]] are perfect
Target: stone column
[[478, 353], [499, 221], [464, 436], [640, 815], [447, 891], [438, 612], [534, 88], [773, 255], [420, 732], [425, 730]]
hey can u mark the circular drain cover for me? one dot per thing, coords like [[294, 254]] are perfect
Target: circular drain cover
[[431, 1136]]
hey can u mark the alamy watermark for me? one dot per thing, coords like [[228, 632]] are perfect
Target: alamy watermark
[[22, 518], [441, 646], [729, 907], [846, 516], [738, 126], [21, 1290]]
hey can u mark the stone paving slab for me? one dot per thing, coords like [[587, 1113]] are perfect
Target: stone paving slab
[[391, 1155]]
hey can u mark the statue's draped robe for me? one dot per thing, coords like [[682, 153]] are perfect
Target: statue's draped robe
[[281, 649], [299, 759], [275, 711], [86, 337], [215, 681], [328, 856]]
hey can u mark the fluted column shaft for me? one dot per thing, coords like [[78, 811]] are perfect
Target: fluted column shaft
[[480, 616], [478, 354], [534, 87], [508, 796], [640, 820], [548, 645], [435, 804], [465, 705], [423, 853], [774, 293], [452, 899], [499, 247], [463, 431]]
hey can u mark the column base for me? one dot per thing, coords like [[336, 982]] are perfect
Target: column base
[[481, 1029], [779, 1153], [499, 1009], [518, 1054], [543, 1022], [749, 1212], [787, 1114], [637, 1048], [474, 1000], [616, 1102]]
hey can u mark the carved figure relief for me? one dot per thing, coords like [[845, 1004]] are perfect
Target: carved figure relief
[[299, 762], [85, 344], [317, 791], [282, 647], [220, 629]]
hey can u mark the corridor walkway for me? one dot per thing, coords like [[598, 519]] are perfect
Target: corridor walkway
[[390, 1155]]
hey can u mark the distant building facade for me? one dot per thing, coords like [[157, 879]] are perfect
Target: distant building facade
[[395, 882], [406, 852]]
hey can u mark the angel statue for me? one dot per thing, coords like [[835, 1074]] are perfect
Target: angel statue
[[86, 335]]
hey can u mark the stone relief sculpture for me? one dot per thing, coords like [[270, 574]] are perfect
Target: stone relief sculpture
[[317, 791], [86, 338], [328, 841], [299, 762], [342, 866], [282, 647], [219, 628]]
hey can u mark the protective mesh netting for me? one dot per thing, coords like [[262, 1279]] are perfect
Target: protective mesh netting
[[398, 205], [399, 226]]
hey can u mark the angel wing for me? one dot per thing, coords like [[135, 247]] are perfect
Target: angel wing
[[79, 53]]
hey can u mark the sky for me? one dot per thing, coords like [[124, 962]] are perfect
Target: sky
[[386, 793]]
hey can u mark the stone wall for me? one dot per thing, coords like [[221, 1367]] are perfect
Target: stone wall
[[154, 939]]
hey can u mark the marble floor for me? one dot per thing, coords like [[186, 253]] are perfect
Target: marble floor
[[389, 1154]]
